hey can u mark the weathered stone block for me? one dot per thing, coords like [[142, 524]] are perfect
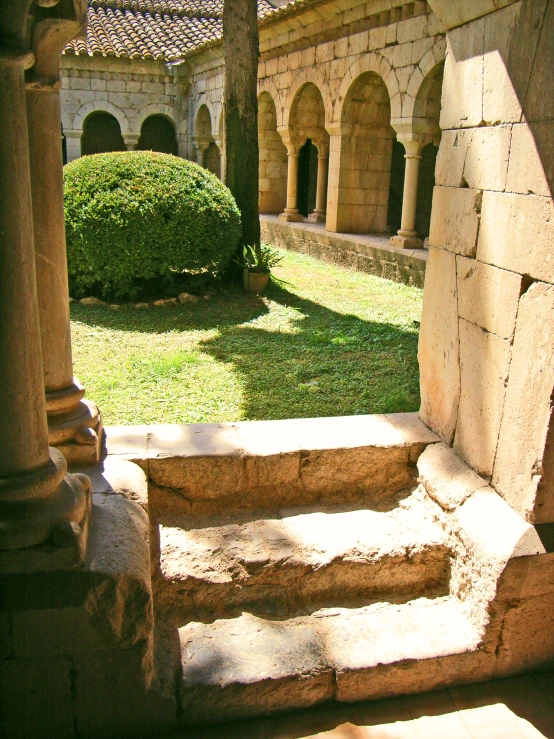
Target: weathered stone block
[[516, 233], [527, 408], [486, 159], [488, 296], [462, 91], [530, 161], [446, 477], [484, 365], [455, 219], [438, 352]]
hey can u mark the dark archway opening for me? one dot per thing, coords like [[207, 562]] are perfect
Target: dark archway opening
[[64, 148], [396, 187], [212, 159], [307, 178], [425, 186], [158, 134], [101, 133]]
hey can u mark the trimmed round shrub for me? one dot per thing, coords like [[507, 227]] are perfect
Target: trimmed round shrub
[[134, 216]]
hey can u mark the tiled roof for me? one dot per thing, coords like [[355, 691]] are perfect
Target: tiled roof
[[167, 30]]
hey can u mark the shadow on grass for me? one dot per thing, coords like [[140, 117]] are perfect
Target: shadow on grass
[[223, 310], [329, 364], [322, 363]]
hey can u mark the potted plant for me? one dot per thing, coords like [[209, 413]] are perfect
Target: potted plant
[[257, 262]]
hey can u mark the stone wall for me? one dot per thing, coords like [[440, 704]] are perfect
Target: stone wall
[[131, 90], [487, 333]]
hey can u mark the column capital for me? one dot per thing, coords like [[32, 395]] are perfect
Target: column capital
[[322, 147], [13, 54], [131, 139]]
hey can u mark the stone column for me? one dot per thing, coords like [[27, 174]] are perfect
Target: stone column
[[291, 212], [407, 236], [44, 512], [73, 144], [74, 424], [319, 214], [131, 140]]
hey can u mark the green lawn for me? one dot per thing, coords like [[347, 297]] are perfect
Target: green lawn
[[330, 342]]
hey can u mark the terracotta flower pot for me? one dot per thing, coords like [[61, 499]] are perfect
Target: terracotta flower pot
[[256, 282]]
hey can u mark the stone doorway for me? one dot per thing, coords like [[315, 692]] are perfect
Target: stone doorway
[[307, 178]]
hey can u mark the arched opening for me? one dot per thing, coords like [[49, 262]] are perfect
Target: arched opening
[[101, 133], [366, 154], [273, 158], [307, 127], [425, 188], [158, 134], [307, 178], [427, 108], [212, 159], [396, 187]]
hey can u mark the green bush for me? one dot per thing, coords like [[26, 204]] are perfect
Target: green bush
[[132, 217]]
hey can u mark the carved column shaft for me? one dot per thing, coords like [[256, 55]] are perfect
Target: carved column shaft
[[407, 235], [291, 211], [74, 424], [318, 216], [37, 499]]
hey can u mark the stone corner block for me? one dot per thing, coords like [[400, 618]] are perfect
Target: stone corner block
[[446, 477]]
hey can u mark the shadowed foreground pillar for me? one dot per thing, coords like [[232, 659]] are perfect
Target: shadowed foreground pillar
[[407, 235], [74, 424], [39, 503]]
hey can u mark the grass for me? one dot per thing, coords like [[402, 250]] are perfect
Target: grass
[[328, 342]]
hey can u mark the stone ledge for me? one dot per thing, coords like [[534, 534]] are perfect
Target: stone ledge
[[370, 253]]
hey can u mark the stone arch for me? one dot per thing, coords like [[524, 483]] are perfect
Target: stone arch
[[365, 152], [101, 133], [273, 158], [66, 120], [201, 110], [267, 85], [421, 82], [377, 64], [158, 133], [100, 106], [307, 76], [164, 110]]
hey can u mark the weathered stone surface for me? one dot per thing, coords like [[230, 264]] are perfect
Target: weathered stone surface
[[270, 464], [516, 234], [484, 365], [527, 408], [438, 351], [248, 666], [447, 478], [488, 296], [91, 301], [486, 161], [455, 219], [527, 577], [462, 97], [526, 170], [285, 564]]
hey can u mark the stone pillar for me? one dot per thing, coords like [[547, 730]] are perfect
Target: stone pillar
[[44, 512], [73, 144], [319, 214], [291, 212], [407, 236], [131, 140], [74, 424]]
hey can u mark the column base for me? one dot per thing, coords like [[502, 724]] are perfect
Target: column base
[[64, 551], [44, 515], [406, 242], [291, 217], [316, 217], [74, 425]]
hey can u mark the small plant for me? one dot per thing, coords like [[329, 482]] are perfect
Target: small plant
[[259, 260]]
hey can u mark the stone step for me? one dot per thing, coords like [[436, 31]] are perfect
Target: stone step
[[209, 469], [251, 666], [291, 565]]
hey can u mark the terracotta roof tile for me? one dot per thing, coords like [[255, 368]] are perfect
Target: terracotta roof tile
[[167, 30]]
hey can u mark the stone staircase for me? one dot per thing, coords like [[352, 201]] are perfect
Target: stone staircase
[[342, 559]]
